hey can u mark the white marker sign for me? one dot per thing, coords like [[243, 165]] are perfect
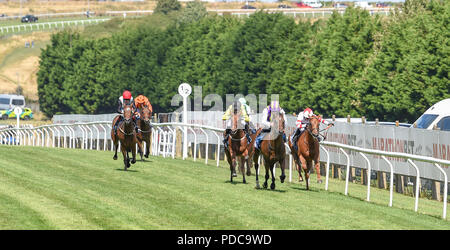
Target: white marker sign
[[17, 112], [185, 90]]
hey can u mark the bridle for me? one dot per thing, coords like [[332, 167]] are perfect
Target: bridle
[[147, 122], [316, 135], [311, 131], [126, 121], [235, 131]]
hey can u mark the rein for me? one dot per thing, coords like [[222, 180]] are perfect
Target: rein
[[146, 131], [240, 139], [318, 134], [127, 134]]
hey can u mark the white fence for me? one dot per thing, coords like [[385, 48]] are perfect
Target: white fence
[[44, 15], [48, 25], [89, 135]]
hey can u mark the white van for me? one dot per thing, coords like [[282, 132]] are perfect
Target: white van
[[8, 102], [438, 114], [313, 3]]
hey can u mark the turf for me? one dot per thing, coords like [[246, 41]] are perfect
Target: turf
[[46, 188]]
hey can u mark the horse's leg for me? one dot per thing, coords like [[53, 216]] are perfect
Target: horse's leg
[[248, 161], [317, 167], [147, 147], [232, 162], [125, 158], [255, 159], [133, 153], [299, 169], [116, 145], [242, 167], [307, 170], [282, 166], [140, 150], [267, 173], [272, 185]]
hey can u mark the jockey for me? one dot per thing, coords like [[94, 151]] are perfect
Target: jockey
[[248, 111], [227, 117], [266, 119], [125, 99], [303, 121], [140, 102]]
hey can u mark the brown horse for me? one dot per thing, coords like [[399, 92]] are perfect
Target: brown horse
[[308, 150], [126, 134], [239, 148], [273, 150], [145, 130]]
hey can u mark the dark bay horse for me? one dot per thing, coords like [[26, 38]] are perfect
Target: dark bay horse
[[239, 148], [126, 134], [308, 150], [145, 130], [273, 150]]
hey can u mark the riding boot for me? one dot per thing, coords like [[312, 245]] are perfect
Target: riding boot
[[116, 125], [136, 120], [295, 138], [225, 139], [247, 134], [258, 141]]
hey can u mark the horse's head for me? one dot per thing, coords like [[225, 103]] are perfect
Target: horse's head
[[313, 126], [236, 116], [281, 124], [277, 123], [146, 114], [128, 114]]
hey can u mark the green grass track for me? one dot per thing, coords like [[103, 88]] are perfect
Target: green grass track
[[46, 188]]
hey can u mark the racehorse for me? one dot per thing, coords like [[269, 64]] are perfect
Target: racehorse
[[308, 150], [273, 150], [126, 134], [145, 130], [239, 147]]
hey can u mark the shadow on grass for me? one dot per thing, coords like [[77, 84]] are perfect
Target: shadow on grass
[[270, 190], [128, 170], [301, 188], [235, 182]]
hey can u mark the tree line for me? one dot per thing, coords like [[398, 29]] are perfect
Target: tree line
[[391, 68]]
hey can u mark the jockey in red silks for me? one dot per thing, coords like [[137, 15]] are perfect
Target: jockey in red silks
[[125, 99], [303, 121]]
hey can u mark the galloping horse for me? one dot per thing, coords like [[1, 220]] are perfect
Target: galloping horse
[[239, 147], [273, 151], [308, 150], [145, 130], [126, 134]]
